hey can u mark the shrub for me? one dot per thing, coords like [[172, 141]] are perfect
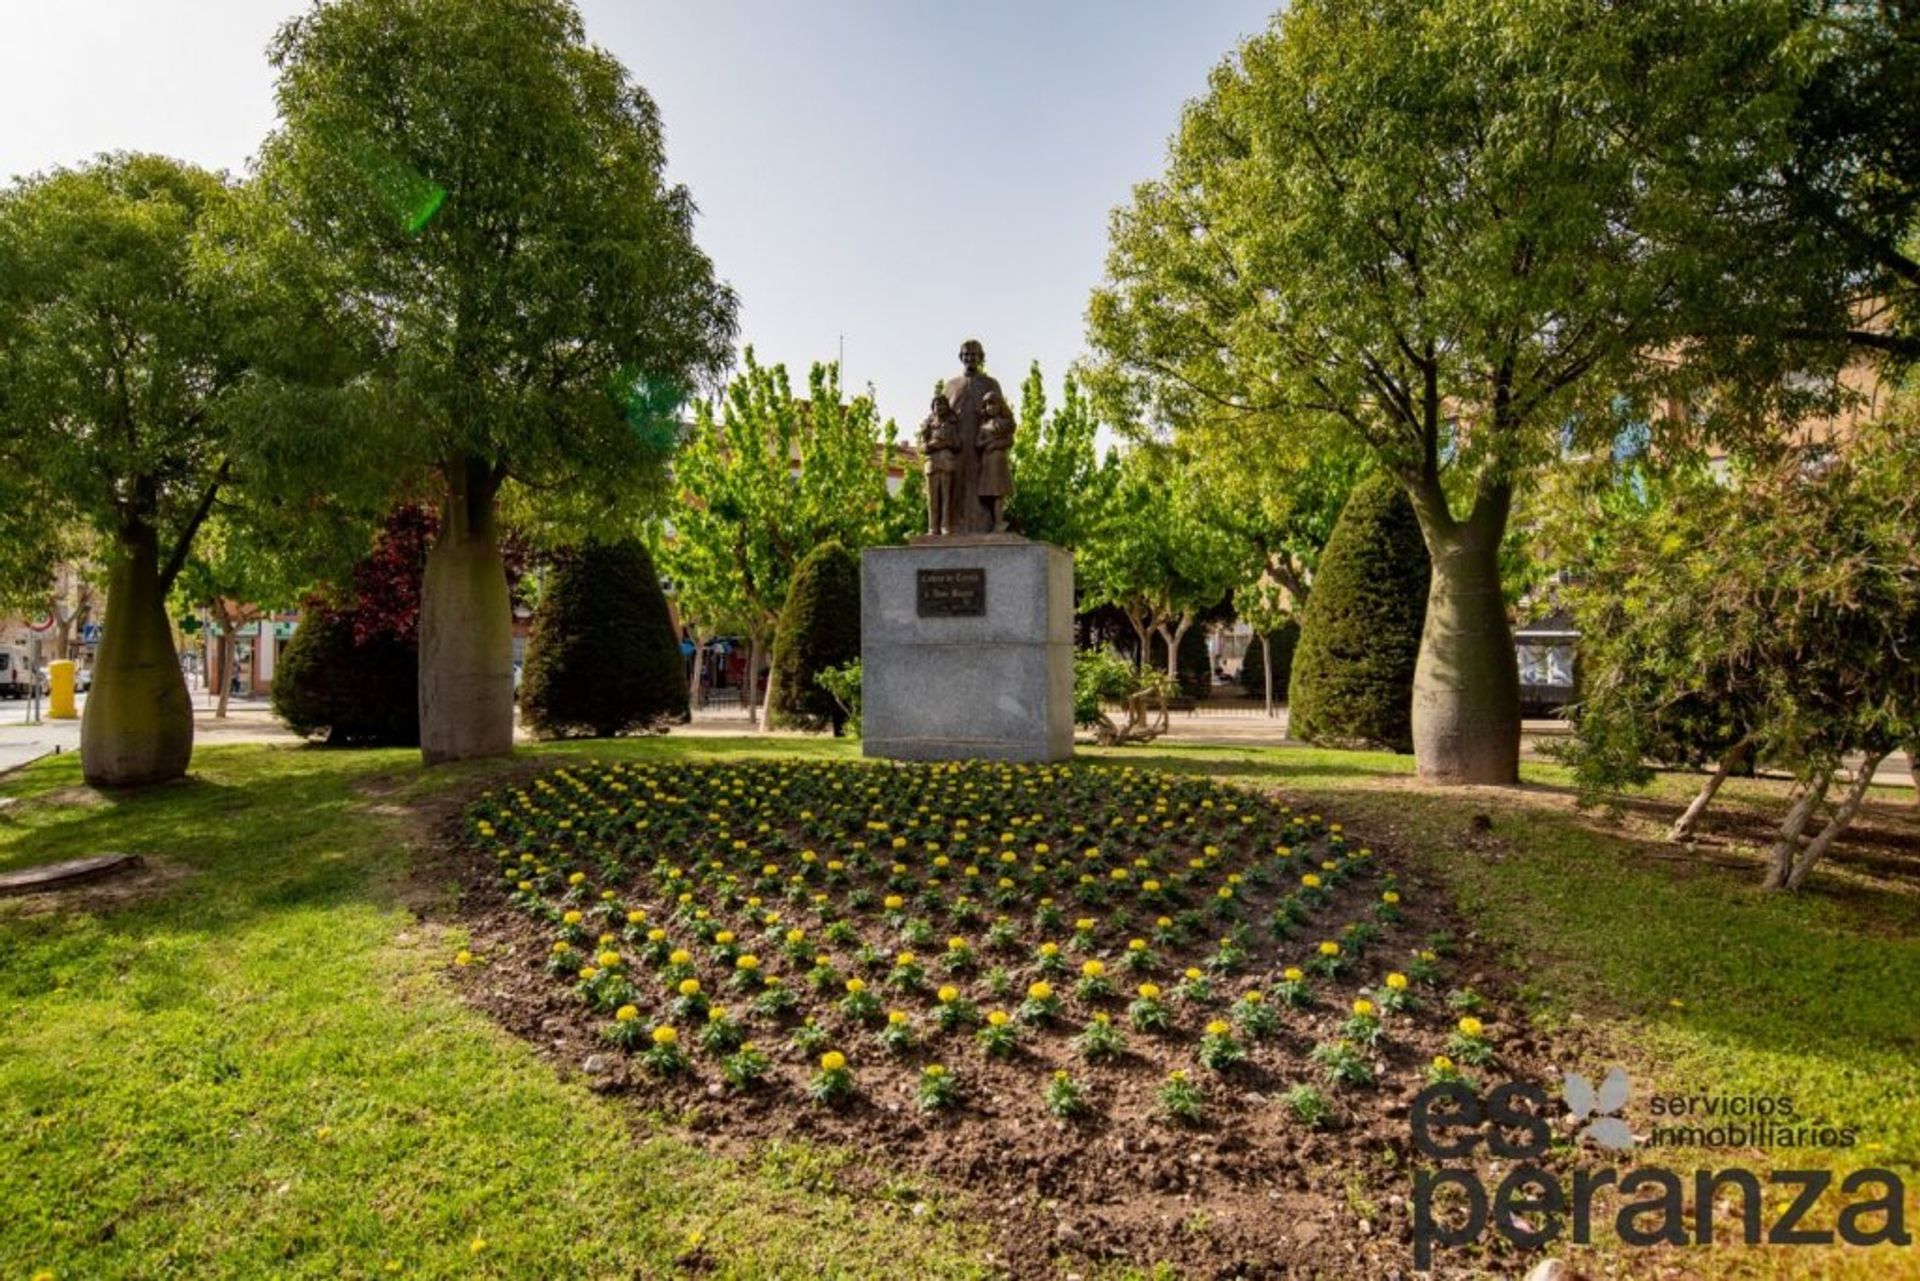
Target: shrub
[[843, 683], [356, 694], [819, 628], [352, 669], [1284, 641], [1352, 681], [603, 658]]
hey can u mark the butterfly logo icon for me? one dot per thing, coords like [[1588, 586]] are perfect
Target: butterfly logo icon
[[1603, 1105]]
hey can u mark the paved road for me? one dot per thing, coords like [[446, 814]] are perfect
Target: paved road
[[21, 742]]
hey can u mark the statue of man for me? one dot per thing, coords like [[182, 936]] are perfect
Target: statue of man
[[968, 396]]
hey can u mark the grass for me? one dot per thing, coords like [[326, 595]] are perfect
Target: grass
[[256, 1069]]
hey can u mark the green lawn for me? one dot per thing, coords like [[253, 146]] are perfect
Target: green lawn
[[257, 1069], [261, 1073]]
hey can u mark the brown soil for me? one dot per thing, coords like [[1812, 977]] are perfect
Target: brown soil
[[1249, 1192]]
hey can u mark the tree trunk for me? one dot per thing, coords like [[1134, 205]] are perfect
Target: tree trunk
[[750, 686], [1266, 655], [696, 684], [1173, 645], [466, 627], [1913, 768], [1849, 806], [1683, 826], [1466, 684], [1142, 636], [773, 677], [1786, 845], [138, 724], [226, 667]]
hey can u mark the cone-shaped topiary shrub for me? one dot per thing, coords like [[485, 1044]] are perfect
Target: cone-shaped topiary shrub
[[1352, 681], [819, 628], [603, 658]]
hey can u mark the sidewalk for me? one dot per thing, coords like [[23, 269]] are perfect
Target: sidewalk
[[249, 720]]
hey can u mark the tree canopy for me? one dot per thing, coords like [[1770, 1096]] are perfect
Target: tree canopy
[[1459, 234], [486, 193]]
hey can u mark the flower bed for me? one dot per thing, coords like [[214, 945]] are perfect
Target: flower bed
[[1019, 976]]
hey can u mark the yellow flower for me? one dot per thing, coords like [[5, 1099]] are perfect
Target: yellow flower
[[746, 961], [1391, 896], [948, 995], [689, 987], [1397, 981], [1084, 924], [587, 972], [723, 938], [1049, 949], [572, 916], [1429, 956], [905, 958], [933, 1070], [463, 957], [1293, 974], [1093, 969], [1311, 881], [1329, 948], [1363, 1007], [1254, 998], [635, 917], [480, 1243], [1443, 1063], [1194, 973], [1225, 891], [1219, 1027], [998, 1018], [665, 1036], [833, 1061], [627, 1013], [1151, 887], [577, 878], [856, 986], [1470, 1026], [893, 902], [896, 1017], [656, 936], [1163, 922], [609, 959], [679, 956], [1151, 991]]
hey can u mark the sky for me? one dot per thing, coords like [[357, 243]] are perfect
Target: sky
[[890, 175]]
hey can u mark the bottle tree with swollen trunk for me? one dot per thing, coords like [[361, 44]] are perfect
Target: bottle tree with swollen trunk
[[1446, 231], [123, 361], [486, 191]]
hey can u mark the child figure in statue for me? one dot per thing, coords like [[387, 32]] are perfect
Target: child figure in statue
[[996, 471], [940, 445]]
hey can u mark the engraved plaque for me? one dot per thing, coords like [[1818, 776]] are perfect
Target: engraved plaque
[[952, 593]]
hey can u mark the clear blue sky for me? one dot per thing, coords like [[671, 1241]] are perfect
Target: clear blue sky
[[900, 173]]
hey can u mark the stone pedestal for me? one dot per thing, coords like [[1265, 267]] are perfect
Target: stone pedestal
[[966, 650]]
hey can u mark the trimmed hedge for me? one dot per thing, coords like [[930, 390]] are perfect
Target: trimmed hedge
[[1352, 680], [602, 658], [358, 694], [819, 628]]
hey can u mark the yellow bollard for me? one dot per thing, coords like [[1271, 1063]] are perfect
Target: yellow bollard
[[60, 690]]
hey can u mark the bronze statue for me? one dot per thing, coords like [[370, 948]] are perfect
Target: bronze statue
[[940, 445], [996, 470], [967, 394]]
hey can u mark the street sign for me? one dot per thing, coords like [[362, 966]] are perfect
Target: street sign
[[40, 622], [90, 634]]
